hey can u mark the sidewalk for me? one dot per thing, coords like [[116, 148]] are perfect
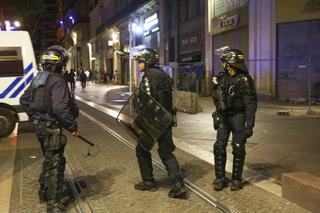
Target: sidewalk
[[277, 146], [7, 158]]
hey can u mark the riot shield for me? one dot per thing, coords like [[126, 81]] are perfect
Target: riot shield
[[145, 118]]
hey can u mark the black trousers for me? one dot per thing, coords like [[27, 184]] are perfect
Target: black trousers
[[83, 84], [52, 143], [166, 147], [235, 124]]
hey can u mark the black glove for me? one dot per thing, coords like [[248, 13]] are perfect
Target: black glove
[[248, 132]]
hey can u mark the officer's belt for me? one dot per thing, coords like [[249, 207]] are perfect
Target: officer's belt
[[48, 124]]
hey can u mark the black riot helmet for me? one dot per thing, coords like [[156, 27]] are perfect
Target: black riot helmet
[[148, 56], [234, 58], [54, 59]]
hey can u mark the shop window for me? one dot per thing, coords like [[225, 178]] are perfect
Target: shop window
[[11, 62], [152, 40]]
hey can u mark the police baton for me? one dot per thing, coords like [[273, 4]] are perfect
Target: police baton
[[86, 140], [83, 139], [89, 153], [91, 145]]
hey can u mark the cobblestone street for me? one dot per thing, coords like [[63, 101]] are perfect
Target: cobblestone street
[[107, 180]]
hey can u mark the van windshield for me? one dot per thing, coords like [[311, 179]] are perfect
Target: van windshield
[[11, 62]]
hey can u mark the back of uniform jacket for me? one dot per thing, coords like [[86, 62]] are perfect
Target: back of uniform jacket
[[61, 103]]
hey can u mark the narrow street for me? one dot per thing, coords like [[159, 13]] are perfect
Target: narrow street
[[103, 181]]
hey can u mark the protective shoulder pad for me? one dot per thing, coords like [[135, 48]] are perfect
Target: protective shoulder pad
[[40, 79]]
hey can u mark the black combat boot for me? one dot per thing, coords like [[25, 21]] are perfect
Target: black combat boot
[[148, 185], [56, 207], [221, 181], [179, 189], [238, 162]]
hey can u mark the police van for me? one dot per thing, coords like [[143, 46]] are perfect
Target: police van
[[17, 69]]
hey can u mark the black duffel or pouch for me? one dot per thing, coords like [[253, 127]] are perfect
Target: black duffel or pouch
[[216, 120]]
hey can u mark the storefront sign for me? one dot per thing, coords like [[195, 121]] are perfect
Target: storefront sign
[[192, 57], [190, 42], [193, 39], [228, 21]]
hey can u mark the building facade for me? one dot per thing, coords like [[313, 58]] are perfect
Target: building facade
[[280, 44], [74, 34], [276, 40], [116, 32], [182, 28]]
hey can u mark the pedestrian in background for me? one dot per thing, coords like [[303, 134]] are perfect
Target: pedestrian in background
[[83, 80], [116, 77], [72, 80]]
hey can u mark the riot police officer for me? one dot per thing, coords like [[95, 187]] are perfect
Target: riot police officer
[[236, 106], [158, 85], [49, 103]]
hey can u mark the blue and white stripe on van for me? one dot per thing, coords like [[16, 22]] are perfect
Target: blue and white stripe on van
[[18, 84]]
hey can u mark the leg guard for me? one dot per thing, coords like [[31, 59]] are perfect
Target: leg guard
[[239, 154], [42, 181], [55, 181], [55, 171], [145, 163], [171, 164], [220, 158]]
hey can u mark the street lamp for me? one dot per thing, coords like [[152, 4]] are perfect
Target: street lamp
[[16, 24], [7, 24], [115, 37], [9, 27], [136, 28], [71, 19]]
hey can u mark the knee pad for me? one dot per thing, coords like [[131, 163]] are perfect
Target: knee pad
[[239, 149]]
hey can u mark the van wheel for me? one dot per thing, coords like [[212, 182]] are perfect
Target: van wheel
[[7, 122]]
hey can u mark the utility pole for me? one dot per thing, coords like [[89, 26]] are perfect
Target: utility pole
[[309, 82], [130, 57]]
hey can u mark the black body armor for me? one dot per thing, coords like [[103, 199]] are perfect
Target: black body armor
[[40, 100]]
